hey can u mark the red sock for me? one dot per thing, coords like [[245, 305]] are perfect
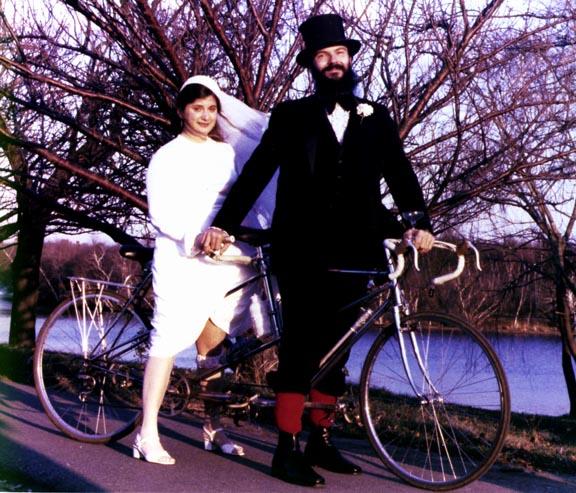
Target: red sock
[[322, 417], [288, 412]]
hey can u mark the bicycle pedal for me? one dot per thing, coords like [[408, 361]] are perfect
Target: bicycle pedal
[[235, 353], [245, 403], [239, 405]]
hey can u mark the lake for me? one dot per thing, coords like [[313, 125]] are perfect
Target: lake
[[533, 365]]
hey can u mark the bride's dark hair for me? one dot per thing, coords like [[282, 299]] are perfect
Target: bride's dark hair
[[191, 93]]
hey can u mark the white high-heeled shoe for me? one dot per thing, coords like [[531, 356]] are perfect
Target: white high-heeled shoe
[[156, 456], [222, 443]]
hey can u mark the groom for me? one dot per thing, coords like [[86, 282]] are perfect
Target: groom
[[332, 149]]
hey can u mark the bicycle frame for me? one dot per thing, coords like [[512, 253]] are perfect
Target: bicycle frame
[[395, 262], [399, 308], [365, 320], [433, 395]]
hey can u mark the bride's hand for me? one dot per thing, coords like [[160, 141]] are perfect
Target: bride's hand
[[214, 241]]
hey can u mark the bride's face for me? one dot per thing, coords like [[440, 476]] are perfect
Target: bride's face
[[199, 118]]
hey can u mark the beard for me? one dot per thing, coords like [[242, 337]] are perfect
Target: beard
[[332, 88]]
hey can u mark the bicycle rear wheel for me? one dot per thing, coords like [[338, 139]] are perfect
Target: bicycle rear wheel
[[89, 366], [448, 430]]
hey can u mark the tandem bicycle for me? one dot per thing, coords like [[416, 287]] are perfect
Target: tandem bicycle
[[433, 397]]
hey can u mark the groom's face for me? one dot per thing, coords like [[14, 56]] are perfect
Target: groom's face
[[332, 62]]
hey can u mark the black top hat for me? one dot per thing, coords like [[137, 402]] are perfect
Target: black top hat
[[322, 31]]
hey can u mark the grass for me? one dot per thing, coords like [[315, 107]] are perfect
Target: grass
[[533, 442], [541, 443], [16, 364]]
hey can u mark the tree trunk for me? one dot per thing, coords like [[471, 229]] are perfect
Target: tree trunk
[[564, 319], [26, 274], [570, 377]]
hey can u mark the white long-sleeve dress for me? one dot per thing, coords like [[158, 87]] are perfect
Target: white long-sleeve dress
[[186, 184]]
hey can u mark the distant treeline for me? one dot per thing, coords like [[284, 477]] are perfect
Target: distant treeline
[[512, 291], [62, 259]]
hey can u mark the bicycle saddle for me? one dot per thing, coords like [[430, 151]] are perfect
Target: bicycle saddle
[[137, 252]]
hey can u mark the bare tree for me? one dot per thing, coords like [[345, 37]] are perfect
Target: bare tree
[[89, 86], [538, 165], [89, 97]]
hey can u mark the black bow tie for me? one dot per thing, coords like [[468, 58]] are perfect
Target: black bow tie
[[347, 101]]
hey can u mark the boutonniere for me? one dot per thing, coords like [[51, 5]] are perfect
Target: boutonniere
[[364, 110]]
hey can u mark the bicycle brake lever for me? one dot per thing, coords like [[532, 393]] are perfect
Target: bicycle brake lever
[[410, 244], [464, 247], [399, 248]]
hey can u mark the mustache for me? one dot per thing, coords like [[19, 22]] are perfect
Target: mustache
[[332, 66]]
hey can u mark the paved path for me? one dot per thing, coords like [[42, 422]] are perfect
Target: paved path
[[35, 456]]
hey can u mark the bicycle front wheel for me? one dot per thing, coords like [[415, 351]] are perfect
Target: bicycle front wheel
[[89, 366], [444, 426]]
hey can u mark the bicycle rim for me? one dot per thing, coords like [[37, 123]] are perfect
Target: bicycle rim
[[452, 431], [89, 367]]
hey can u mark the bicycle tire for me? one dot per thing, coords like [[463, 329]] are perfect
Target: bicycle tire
[[89, 366], [440, 440]]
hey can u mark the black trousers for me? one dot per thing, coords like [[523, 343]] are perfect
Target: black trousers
[[313, 323]]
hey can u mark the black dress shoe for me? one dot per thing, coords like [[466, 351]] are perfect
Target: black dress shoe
[[289, 464], [321, 452]]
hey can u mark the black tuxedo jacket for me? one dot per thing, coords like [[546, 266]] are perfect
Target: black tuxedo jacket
[[328, 209]]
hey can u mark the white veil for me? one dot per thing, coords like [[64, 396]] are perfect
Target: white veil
[[242, 127]]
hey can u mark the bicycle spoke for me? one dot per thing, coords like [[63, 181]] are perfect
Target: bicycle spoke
[[89, 368], [445, 425]]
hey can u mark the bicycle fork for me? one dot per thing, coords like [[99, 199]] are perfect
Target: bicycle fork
[[400, 308]]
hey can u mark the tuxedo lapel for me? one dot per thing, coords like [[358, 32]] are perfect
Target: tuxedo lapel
[[319, 129], [311, 147], [352, 129]]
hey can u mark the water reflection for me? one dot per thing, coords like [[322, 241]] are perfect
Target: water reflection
[[533, 366]]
